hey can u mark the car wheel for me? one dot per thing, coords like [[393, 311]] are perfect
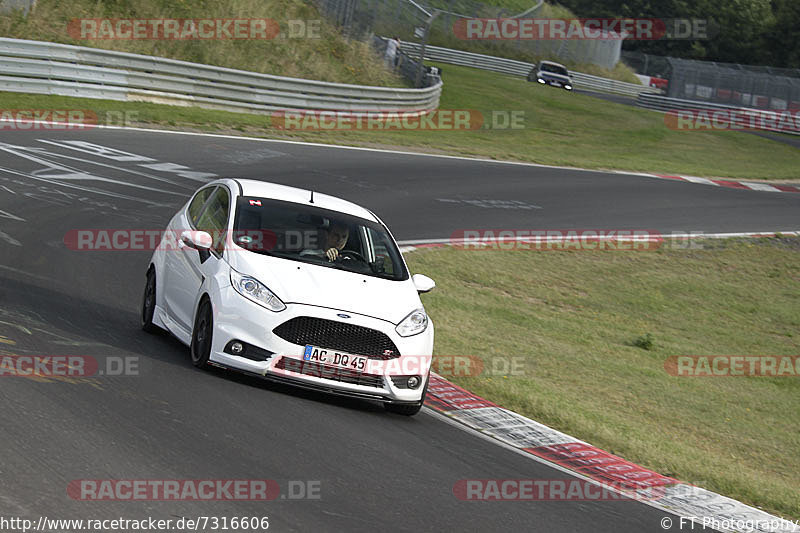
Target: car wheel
[[149, 303], [408, 409], [202, 334]]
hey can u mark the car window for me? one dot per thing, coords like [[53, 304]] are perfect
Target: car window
[[386, 255], [555, 69], [306, 233], [214, 219], [197, 204]]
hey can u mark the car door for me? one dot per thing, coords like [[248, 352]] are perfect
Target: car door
[[189, 267], [173, 261]]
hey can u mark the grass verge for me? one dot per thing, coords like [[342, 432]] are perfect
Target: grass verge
[[576, 317], [325, 55]]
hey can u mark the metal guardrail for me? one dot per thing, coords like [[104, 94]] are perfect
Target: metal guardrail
[[733, 117], [51, 68], [521, 68]]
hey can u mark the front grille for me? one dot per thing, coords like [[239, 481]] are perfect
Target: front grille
[[339, 336], [318, 370]]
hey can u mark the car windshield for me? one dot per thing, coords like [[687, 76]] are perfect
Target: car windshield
[[555, 69], [317, 236]]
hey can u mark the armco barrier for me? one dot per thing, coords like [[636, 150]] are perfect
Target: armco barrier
[[50, 68], [736, 116], [521, 68]]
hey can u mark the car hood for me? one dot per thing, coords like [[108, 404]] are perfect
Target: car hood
[[304, 283]]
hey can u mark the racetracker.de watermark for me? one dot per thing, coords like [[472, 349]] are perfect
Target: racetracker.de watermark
[[547, 490], [458, 366], [778, 120], [470, 366], [703, 366], [399, 120], [543, 240], [63, 119], [47, 119], [548, 29], [126, 240], [192, 490], [193, 29], [68, 366]]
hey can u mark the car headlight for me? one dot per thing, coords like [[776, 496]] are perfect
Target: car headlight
[[413, 324], [256, 291]]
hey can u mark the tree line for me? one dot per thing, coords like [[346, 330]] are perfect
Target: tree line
[[753, 32]]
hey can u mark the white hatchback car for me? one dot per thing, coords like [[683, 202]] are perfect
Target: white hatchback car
[[295, 286]]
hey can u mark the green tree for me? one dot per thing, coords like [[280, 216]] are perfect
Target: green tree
[[743, 31]]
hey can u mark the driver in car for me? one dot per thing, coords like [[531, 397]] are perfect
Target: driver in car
[[334, 238]]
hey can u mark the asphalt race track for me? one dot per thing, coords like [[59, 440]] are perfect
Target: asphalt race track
[[375, 471]]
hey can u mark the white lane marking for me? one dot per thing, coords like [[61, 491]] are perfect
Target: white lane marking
[[98, 150], [68, 173], [632, 173], [6, 188], [121, 169], [9, 239], [81, 188], [181, 170], [6, 214]]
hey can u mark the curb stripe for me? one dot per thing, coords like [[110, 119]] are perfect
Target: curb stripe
[[761, 187], [731, 184], [602, 466], [586, 461], [703, 181]]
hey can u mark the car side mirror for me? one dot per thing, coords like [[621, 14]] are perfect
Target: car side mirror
[[199, 240], [423, 283]]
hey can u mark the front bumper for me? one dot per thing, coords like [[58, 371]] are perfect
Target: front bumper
[[237, 318], [554, 82], [559, 83]]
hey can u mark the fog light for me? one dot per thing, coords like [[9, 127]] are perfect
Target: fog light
[[237, 348], [413, 382]]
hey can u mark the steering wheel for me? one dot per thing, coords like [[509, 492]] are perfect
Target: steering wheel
[[350, 254]]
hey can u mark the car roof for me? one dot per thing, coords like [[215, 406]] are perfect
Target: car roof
[[552, 63], [265, 189]]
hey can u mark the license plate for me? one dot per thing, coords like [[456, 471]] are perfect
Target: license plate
[[315, 354]]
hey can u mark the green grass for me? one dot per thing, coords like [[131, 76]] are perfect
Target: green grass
[[560, 128], [331, 57], [576, 316]]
